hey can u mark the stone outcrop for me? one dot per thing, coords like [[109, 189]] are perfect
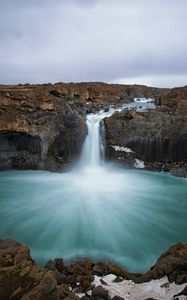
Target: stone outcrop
[[21, 278], [38, 130]]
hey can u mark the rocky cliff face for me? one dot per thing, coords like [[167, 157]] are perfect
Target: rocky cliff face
[[43, 126], [158, 137], [37, 129]]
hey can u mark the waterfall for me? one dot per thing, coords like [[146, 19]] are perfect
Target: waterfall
[[93, 151]]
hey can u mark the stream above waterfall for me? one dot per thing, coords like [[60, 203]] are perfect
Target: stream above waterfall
[[97, 210]]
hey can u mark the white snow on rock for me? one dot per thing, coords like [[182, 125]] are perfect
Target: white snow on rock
[[123, 149], [139, 164], [158, 289]]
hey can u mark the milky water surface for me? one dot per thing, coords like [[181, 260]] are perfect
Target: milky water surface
[[128, 217]]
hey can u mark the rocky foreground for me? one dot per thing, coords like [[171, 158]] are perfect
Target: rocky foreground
[[21, 278], [43, 126]]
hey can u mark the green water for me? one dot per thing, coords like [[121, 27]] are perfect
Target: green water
[[128, 217]]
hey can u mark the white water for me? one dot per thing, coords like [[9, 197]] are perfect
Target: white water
[[93, 149]]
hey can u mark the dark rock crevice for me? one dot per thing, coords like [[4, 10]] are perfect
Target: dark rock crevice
[[159, 149], [18, 149], [18, 141]]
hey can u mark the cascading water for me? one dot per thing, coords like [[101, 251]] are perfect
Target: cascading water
[[93, 152], [96, 210]]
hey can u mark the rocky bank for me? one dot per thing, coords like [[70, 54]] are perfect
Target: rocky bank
[[43, 126], [21, 278]]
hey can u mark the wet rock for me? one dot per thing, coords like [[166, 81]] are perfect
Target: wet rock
[[179, 171], [100, 268], [59, 264], [52, 265]]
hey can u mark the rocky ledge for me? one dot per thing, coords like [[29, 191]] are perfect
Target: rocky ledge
[[43, 126], [21, 278]]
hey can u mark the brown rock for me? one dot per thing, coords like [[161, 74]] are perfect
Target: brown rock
[[21, 278], [172, 263], [100, 292], [59, 263], [64, 291]]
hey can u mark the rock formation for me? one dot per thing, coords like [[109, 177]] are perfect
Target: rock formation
[[22, 279], [158, 137], [43, 126], [37, 129]]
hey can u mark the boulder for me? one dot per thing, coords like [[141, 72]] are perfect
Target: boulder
[[99, 293], [21, 278]]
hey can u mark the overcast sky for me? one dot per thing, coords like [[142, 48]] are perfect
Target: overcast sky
[[121, 41]]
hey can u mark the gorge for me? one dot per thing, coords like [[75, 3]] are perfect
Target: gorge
[[96, 204]]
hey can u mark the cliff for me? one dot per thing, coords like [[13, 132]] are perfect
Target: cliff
[[43, 126], [157, 137]]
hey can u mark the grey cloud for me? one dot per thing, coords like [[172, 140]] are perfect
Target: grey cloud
[[49, 41]]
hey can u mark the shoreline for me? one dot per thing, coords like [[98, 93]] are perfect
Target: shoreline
[[22, 278]]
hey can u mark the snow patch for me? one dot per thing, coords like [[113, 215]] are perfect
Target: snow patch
[[139, 164], [158, 289], [123, 149]]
